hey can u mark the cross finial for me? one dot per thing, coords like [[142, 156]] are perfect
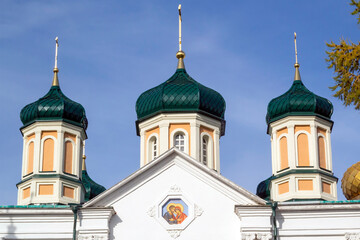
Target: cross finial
[[180, 54], [56, 70], [56, 50], [297, 65], [180, 20], [296, 60]]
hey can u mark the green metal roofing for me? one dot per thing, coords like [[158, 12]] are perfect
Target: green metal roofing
[[180, 93], [92, 189], [36, 206], [263, 189], [298, 101], [52, 107]]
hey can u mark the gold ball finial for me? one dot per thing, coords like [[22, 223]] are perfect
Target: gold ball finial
[[84, 157], [180, 54], [350, 182]]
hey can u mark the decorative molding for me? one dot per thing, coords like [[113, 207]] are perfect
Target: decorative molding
[[92, 237], [256, 236], [174, 230], [174, 233], [174, 189], [352, 236], [198, 211], [152, 211]]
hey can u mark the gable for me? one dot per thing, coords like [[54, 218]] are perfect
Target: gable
[[175, 168]]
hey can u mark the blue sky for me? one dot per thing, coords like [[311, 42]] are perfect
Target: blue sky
[[112, 51]]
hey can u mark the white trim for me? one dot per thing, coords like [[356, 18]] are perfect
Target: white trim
[[169, 158], [54, 126], [142, 148], [186, 140], [180, 118]]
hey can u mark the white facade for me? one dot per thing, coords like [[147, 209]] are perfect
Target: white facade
[[217, 209]]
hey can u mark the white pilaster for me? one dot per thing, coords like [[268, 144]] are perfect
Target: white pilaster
[[24, 158], [78, 157], [328, 150], [274, 152], [37, 149], [142, 148], [59, 158], [217, 150], [164, 137], [314, 148], [291, 146], [195, 140]]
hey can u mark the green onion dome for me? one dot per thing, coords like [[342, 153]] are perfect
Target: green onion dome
[[298, 101], [180, 93], [54, 106], [263, 189], [92, 189]]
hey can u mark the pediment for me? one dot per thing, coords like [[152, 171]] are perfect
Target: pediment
[[159, 173]]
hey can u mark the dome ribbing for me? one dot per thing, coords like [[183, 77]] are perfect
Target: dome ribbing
[[180, 93], [298, 101], [54, 106]]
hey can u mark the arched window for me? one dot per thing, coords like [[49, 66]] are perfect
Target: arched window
[[179, 141], [303, 150], [68, 158], [206, 150], [30, 158], [204, 157], [322, 152], [284, 162], [153, 148], [48, 155]]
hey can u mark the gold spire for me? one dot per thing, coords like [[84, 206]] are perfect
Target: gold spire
[[56, 70], [180, 54], [83, 157], [296, 65]]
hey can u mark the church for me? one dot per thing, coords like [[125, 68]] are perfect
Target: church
[[179, 192]]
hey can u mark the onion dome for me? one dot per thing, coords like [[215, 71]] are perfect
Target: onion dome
[[263, 189], [180, 93], [298, 101], [92, 189], [54, 106], [350, 183]]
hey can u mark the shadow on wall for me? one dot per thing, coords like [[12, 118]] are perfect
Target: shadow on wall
[[114, 221], [11, 229]]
